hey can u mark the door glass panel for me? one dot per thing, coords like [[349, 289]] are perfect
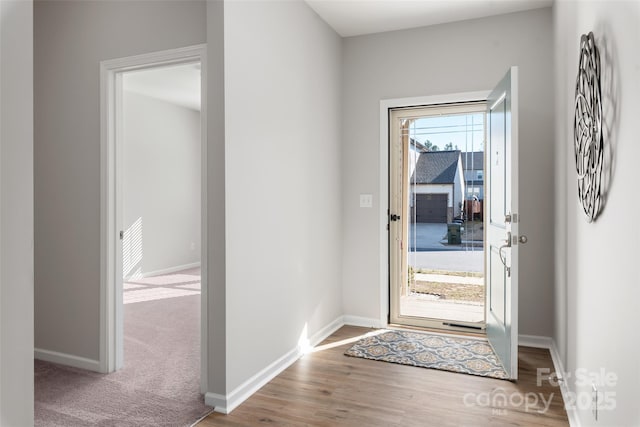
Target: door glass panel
[[496, 128]]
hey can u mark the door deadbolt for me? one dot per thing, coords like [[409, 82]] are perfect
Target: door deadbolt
[[510, 218]]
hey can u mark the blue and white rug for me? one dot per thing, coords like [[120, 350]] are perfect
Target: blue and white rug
[[454, 354]]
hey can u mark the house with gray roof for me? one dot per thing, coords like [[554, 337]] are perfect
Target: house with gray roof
[[473, 168], [437, 187]]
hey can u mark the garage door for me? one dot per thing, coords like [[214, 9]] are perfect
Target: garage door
[[431, 208]]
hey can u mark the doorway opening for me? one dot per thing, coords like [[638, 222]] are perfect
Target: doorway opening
[[153, 206], [437, 183], [501, 216], [159, 170]]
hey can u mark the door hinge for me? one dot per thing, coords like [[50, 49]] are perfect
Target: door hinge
[[121, 235]]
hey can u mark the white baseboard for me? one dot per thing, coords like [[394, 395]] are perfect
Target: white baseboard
[[253, 384], [366, 322], [535, 341], [168, 270], [217, 401], [549, 344], [67, 359], [226, 404], [572, 413], [323, 333]]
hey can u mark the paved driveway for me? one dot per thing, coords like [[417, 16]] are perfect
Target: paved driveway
[[427, 237]]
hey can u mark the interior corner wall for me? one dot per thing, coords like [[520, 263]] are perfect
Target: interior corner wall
[[465, 56], [598, 280], [16, 213], [283, 181], [161, 185], [214, 301], [70, 40]]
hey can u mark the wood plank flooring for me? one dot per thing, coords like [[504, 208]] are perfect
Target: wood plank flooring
[[326, 388]]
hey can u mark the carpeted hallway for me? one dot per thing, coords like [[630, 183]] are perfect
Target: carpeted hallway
[[160, 382]]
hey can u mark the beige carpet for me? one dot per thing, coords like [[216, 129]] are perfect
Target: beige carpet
[[160, 382]]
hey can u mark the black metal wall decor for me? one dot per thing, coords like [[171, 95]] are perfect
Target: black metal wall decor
[[587, 128]]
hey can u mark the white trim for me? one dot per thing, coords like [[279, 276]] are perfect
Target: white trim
[[107, 223], [67, 359], [548, 343], [216, 401], [535, 341], [226, 404], [168, 270], [321, 335], [111, 340], [365, 322], [204, 221], [557, 362], [253, 384], [385, 106], [572, 413]]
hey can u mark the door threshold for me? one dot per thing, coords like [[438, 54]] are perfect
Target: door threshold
[[446, 330]]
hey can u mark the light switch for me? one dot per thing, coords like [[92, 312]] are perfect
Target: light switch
[[366, 200]]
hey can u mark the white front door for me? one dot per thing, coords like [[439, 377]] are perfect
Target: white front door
[[502, 222]]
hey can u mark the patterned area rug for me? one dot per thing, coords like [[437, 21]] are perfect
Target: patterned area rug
[[467, 356]]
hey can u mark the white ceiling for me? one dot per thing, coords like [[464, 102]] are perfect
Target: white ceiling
[[177, 84], [357, 17]]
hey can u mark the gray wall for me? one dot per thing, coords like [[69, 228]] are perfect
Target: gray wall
[[597, 276], [161, 188], [214, 264], [16, 213], [283, 181], [458, 57], [71, 38]]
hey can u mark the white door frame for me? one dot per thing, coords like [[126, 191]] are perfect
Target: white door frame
[[111, 306], [385, 106]]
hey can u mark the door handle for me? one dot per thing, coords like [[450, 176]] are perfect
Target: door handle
[[394, 217], [519, 239], [503, 259]]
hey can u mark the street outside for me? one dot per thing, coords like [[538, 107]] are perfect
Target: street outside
[[446, 279]]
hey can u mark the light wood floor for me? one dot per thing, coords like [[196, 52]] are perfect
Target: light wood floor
[[326, 388]]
